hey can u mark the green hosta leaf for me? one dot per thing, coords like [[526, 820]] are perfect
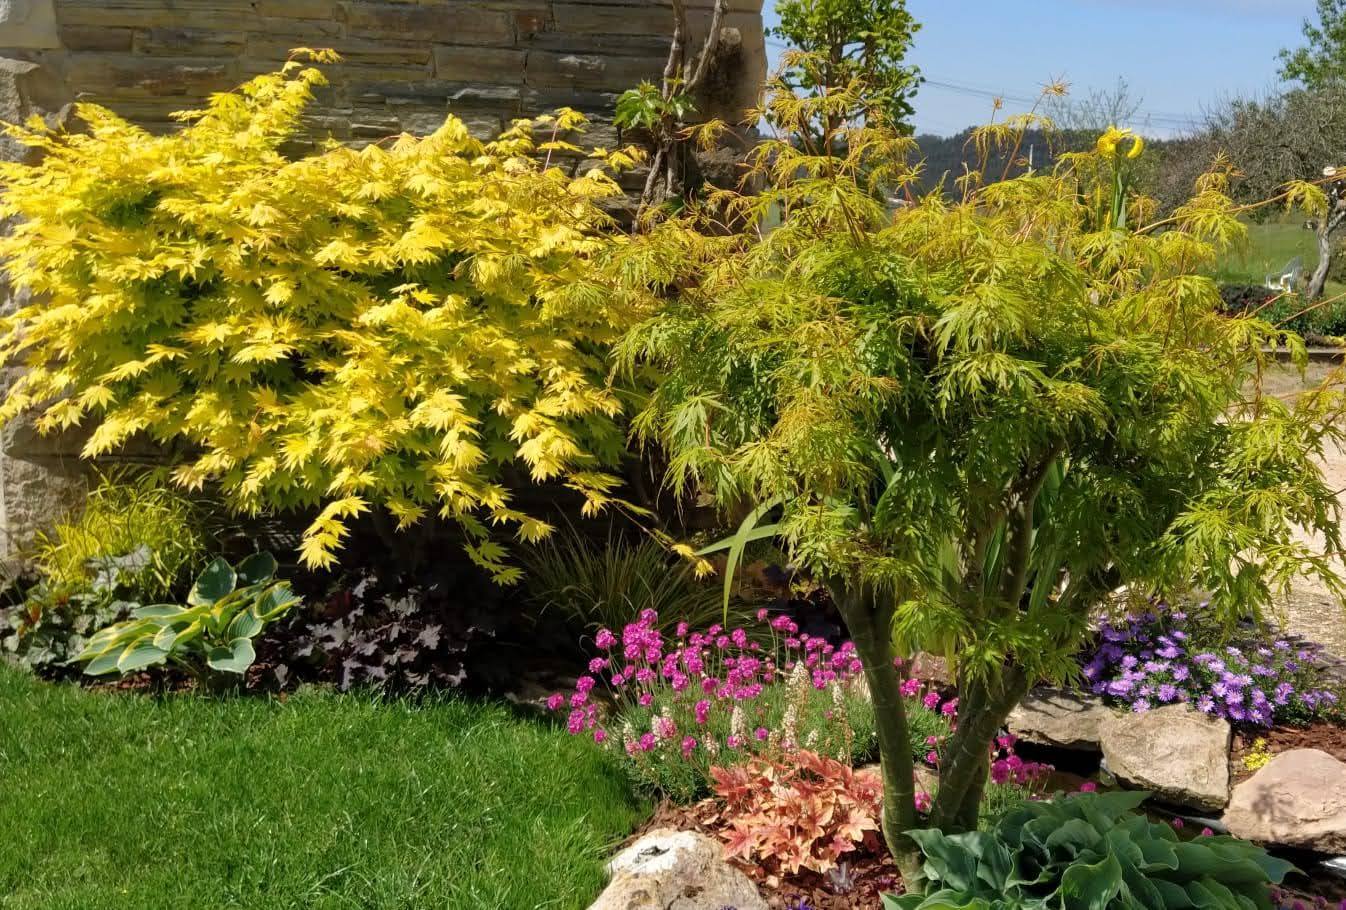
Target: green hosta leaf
[[213, 584], [103, 663], [158, 611], [951, 861], [275, 601], [257, 569], [236, 658], [1074, 837], [1228, 860], [1086, 886], [140, 655], [1172, 895], [245, 625]]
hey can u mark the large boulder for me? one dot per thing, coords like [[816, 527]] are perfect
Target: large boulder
[[1298, 799], [1179, 754], [1055, 717], [676, 870]]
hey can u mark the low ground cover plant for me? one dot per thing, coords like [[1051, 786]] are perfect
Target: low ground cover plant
[[1169, 656], [211, 636], [684, 702], [1090, 850], [133, 541], [803, 812]]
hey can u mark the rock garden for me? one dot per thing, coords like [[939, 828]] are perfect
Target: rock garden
[[460, 532]]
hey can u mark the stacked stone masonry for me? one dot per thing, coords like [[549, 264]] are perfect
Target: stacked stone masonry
[[407, 63]]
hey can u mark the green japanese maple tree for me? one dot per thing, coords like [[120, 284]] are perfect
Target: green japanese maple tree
[[977, 416]]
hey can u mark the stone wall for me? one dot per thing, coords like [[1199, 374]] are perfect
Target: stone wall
[[406, 63]]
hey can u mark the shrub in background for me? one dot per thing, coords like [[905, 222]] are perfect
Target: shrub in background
[[411, 326], [1089, 850], [1170, 657], [1288, 311]]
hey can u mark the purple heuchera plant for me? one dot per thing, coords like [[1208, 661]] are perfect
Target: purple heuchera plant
[[1156, 659]]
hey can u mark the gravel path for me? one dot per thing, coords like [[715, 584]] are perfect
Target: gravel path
[[1311, 611]]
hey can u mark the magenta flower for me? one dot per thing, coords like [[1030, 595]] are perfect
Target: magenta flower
[[1088, 787], [761, 734], [931, 700], [600, 735], [555, 701]]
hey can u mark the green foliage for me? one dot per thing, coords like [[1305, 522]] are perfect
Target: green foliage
[[133, 535], [409, 326], [645, 107], [847, 40], [608, 586], [50, 628], [129, 802], [980, 415], [212, 634], [837, 721], [1323, 61], [1094, 851], [133, 541]]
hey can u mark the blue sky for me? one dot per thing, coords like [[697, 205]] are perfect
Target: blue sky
[[1178, 55]]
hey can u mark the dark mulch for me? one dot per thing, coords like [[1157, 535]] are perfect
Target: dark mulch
[[1324, 736], [867, 874]]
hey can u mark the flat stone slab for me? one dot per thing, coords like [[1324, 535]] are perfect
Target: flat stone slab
[[676, 870], [1060, 718], [1177, 753], [1298, 799]]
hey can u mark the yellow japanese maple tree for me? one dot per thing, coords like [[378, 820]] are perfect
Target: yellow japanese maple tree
[[403, 326]]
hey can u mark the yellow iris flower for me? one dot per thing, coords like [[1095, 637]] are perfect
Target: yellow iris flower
[[1109, 142]]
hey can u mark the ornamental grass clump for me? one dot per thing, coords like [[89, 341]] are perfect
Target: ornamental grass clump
[[676, 705], [1164, 657]]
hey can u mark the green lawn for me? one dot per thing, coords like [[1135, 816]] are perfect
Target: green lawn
[[1271, 246], [324, 800]]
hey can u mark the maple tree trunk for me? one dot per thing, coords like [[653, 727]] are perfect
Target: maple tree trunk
[[869, 625]]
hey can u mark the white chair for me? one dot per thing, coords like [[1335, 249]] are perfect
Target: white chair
[[1288, 277]]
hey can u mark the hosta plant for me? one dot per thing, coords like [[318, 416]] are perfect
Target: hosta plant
[[412, 327], [1091, 850], [211, 635]]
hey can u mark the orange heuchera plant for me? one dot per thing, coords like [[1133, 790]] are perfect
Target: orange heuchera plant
[[807, 813]]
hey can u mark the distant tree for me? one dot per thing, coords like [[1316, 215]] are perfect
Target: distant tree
[[1300, 135], [1100, 109], [846, 40], [1323, 61]]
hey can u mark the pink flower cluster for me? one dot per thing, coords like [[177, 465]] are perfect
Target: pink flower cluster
[[711, 670], [1008, 767]]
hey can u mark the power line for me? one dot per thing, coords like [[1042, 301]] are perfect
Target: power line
[[1157, 118]]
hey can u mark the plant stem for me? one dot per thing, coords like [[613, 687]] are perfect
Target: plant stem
[[869, 624]]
